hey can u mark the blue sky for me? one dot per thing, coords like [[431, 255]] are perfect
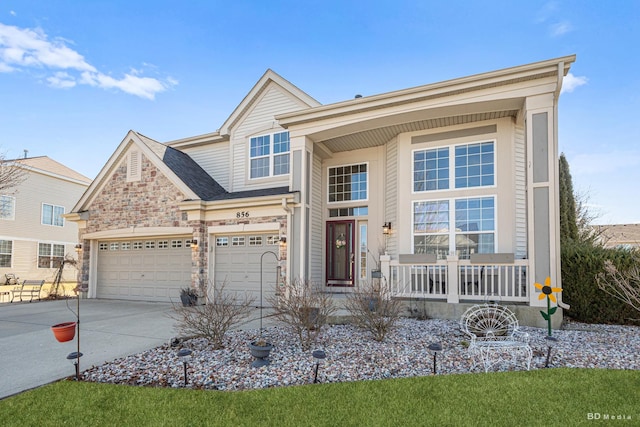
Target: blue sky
[[75, 76]]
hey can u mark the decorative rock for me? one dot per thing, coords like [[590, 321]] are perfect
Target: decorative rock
[[353, 356]]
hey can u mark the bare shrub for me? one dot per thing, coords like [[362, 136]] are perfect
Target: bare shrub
[[372, 309], [304, 308], [221, 311], [623, 285]]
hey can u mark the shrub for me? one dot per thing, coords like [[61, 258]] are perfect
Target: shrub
[[372, 309], [221, 311], [623, 285], [581, 263], [304, 308]]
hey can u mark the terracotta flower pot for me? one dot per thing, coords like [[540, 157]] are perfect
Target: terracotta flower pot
[[64, 331]]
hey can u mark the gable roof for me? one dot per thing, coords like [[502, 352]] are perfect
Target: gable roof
[[199, 181], [269, 78], [48, 166]]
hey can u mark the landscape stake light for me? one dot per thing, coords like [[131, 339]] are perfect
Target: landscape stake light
[[436, 348], [318, 358], [185, 355], [551, 343], [74, 358]]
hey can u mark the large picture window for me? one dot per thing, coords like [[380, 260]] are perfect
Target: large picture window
[[473, 166], [473, 231], [50, 255], [6, 252], [7, 207], [347, 183], [269, 155], [52, 215]]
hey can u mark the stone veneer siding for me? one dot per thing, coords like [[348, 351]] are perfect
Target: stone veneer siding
[[153, 202], [150, 202]]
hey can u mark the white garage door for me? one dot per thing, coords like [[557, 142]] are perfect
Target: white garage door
[[237, 263], [144, 270]]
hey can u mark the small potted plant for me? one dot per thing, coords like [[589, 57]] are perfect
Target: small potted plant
[[188, 296]]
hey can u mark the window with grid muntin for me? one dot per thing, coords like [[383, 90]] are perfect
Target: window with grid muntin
[[269, 155], [473, 166], [348, 183], [6, 253]]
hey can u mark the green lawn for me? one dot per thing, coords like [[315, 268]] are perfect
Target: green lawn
[[542, 397]]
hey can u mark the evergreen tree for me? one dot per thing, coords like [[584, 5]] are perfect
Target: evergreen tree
[[568, 218]]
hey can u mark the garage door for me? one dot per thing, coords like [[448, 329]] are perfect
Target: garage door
[[144, 270], [237, 263]]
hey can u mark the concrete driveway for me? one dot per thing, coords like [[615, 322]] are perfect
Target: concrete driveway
[[30, 356]]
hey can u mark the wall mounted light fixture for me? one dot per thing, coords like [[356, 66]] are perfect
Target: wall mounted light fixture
[[194, 244], [386, 228]]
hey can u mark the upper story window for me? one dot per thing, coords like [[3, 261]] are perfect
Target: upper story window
[[269, 155], [473, 165], [7, 207], [347, 183], [52, 215]]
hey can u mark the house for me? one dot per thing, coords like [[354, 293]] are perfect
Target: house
[[34, 236], [447, 191], [625, 236]]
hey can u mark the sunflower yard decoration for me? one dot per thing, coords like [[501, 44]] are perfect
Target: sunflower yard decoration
[[547, 291]]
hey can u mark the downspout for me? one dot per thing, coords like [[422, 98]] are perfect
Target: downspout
[[561, 304], [289, 212]]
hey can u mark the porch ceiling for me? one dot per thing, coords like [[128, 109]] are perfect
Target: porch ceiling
[[376, 136]]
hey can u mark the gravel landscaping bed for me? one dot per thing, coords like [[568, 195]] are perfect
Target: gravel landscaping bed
[[351, 355]]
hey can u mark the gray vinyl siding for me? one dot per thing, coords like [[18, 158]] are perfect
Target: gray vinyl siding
[[391, 193], [520, 174], [274, 101], [317, 247], [215, 160], [259, 120]]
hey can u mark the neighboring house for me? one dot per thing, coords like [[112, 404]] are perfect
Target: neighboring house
[[462, 174], [34, 236], [626, 236]]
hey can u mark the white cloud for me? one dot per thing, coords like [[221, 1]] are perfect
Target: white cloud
[[144, 87], [24, 49], [12, 12], [560, 28], [61, 80], [570, 82]]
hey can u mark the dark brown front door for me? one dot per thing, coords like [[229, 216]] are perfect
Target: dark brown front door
[[340, 256]]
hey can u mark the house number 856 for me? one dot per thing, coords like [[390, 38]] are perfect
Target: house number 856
[[242, 214]]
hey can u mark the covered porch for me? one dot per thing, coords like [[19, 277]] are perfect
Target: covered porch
[[484, 277]]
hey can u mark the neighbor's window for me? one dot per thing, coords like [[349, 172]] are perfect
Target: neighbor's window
[[269, 155], [473, 166], [474, 230], [7, 207], [6, 251], [52, 215], [50, 255], [348, 183]]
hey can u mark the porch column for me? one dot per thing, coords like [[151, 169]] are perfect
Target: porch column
[[298, 229], [542, 197], [452, 279]]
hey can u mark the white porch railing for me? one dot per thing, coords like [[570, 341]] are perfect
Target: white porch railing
[[459, 280]]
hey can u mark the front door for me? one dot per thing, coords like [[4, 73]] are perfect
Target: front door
[[340, 254]]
